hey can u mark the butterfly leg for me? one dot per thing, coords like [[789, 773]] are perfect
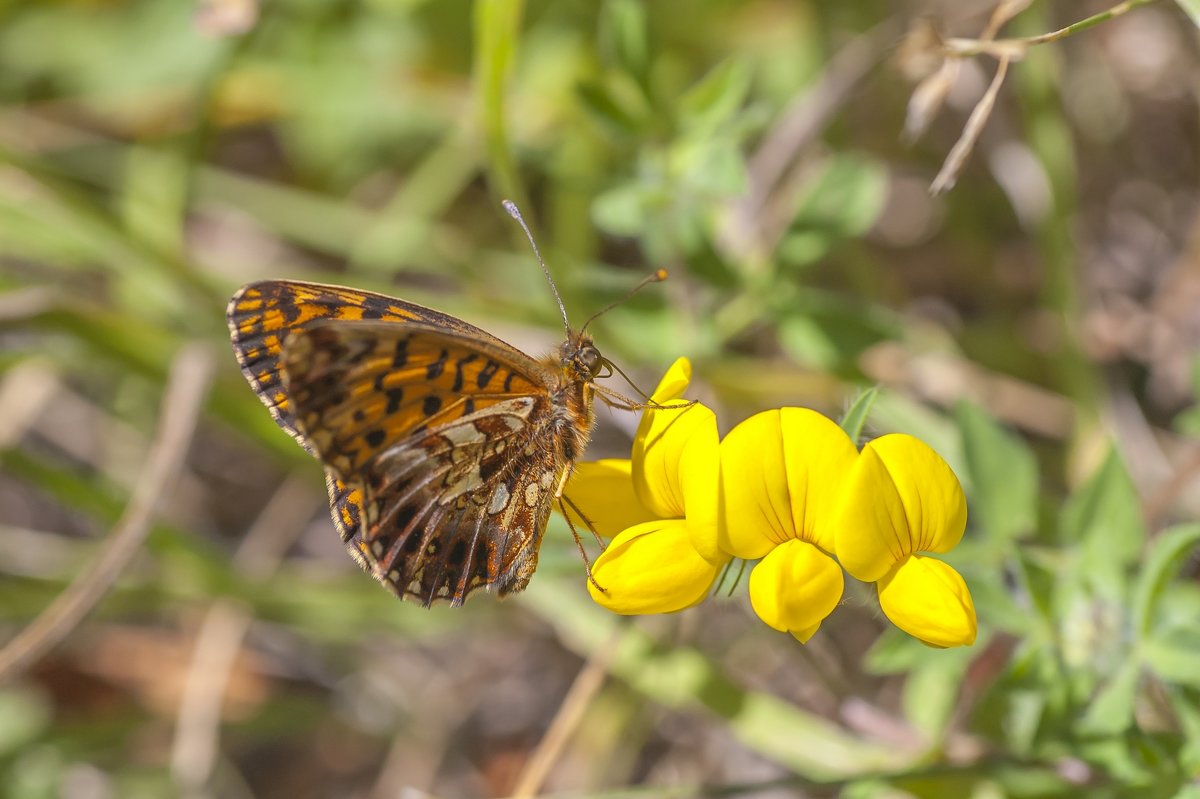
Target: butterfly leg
[[586, 521], [587, 564]]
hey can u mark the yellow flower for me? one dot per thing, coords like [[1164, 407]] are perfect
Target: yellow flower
[[661, 506], [901, 498], [781, 475]]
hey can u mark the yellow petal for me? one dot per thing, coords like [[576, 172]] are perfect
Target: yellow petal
[[794, 587], [781, 473], [699, 482], [659, 445], [674, 382], [899, 498], [603, 491], [652, 568], [929, 600], [803, 635]]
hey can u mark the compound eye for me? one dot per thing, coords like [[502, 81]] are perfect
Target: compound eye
[[591, 359]]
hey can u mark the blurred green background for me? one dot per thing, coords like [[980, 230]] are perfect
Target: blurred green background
[[1038, 325]]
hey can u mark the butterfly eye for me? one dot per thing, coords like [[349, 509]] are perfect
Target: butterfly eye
[[591, 359]]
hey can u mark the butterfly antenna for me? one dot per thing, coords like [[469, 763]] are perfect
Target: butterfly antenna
[[657, 276], [515, 213]]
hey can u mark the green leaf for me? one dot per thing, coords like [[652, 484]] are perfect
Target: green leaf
[[1192, 9], [1111, 711], [623, 24], [602, 104], [1168, 552], [1175, 658], [894, 652], [622, 210], [717, 96], [809, 342], [1188, 791], [856, 417], [1003, 475], [1187, 711], [842, 199], [24, 715], [1104, 517], [931, 692]]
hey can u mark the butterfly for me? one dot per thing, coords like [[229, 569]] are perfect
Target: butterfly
[[445, 448]]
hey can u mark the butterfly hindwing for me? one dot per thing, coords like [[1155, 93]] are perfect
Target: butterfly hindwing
[[441, 462]]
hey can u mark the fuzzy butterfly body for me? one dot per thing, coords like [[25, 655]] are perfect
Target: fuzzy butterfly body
[[444, 447]]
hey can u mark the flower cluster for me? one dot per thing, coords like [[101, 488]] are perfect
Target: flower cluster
[[788, 488]]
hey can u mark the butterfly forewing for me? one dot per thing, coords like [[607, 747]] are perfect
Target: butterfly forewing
[[261, 317], [442, 472]]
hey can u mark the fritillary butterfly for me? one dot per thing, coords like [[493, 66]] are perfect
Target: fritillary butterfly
[[444, 448]]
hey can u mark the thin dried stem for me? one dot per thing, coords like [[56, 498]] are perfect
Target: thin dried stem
[[962, 148], [187, 385], [570, 713]]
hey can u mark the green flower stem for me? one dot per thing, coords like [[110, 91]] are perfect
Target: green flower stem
[[1015, 47], [497, 29]]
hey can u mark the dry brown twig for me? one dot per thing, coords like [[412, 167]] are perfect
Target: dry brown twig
[[930, 94], [187, 385]]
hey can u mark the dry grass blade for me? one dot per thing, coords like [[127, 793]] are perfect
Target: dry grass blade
[[187, 385], [1002, 14], [25, 392], [585, 687], [194, 751], [961, 151], [927, 99]]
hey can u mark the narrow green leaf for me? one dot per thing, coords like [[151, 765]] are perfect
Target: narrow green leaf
[[931, 692], [623, 22], [1104, 520], [1175, 658], [604, 107], [1168, 552], [497, 26], [1003, 475], [1112, 710], [717, 96], [856, 417]]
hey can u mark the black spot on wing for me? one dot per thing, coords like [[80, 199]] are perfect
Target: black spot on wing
[[458, 370], [435, 369]]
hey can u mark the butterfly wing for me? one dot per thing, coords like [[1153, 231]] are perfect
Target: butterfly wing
[[442, 462], [261, 317]]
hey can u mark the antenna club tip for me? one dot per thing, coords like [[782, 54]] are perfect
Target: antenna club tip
[[660, 275], [511, 207]]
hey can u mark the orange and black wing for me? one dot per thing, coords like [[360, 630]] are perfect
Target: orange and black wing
[[441, 458], [261, 317]]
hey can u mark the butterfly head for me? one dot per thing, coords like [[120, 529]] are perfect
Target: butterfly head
[[579, 357]]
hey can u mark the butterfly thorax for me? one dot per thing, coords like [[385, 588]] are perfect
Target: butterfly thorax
[[576, 364]]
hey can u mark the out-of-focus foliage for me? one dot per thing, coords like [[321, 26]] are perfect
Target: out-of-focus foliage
[[1037, 326]]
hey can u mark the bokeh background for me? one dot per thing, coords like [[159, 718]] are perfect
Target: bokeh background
[[1038, 325]]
